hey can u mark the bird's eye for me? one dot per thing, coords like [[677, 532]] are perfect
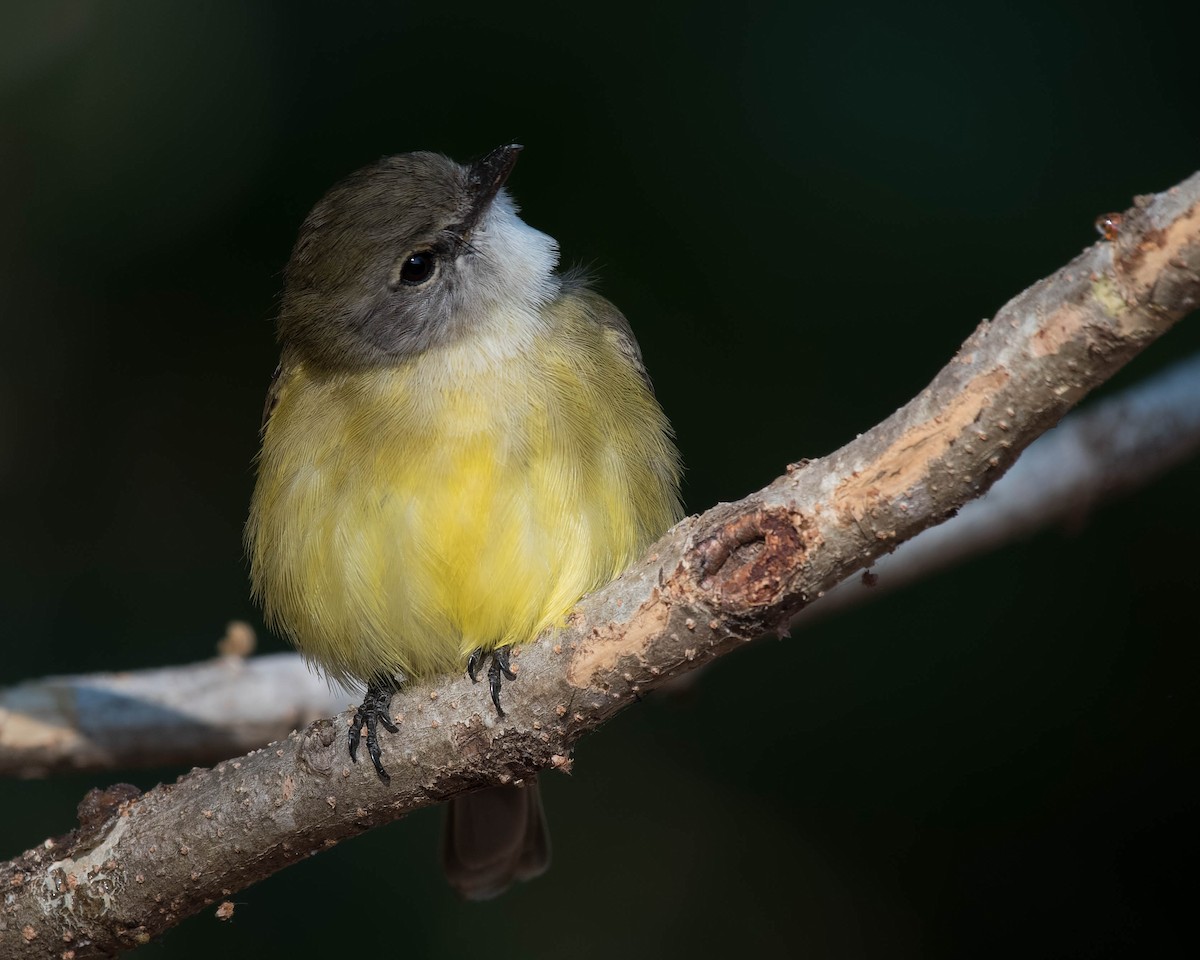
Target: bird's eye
[[417, 267]]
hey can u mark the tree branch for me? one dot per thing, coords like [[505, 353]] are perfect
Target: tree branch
[[202, 712], [197, 713], [138, 865], [1092, 456]]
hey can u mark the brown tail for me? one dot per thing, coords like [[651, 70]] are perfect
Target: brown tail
[[493, 838]]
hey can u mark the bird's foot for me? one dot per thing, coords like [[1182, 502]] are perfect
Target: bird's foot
[[498, 671], [372, 712]]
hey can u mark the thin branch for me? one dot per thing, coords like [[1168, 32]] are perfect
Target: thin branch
[[202, 712], [194, 714], [713, 583]]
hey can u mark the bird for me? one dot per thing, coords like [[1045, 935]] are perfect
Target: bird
[[459, 442]]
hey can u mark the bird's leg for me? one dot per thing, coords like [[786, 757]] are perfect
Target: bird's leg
[[498, 671], [373, 711]]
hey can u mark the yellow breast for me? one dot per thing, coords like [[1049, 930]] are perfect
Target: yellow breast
[[466, 498]]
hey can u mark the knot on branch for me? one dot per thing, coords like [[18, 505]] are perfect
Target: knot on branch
[[96, 812], [750, 560], [320, 745]]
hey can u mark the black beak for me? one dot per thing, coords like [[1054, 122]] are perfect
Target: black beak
[[485, 178]]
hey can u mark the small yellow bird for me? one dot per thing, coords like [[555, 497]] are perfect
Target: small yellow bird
[[458, 444]]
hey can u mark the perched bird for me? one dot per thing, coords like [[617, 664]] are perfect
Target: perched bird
[[459, 442]]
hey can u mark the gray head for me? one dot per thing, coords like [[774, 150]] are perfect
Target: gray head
[[411, 253]]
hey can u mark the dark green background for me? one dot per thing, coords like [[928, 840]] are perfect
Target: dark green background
[[803, 210]]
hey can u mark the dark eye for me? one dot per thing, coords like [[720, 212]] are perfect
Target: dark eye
[[417, 267]]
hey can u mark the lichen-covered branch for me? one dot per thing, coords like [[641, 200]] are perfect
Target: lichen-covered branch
[[139, 864]]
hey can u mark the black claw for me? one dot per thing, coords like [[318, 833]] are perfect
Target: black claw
[[372, 712], [501, 656], [498, 671]]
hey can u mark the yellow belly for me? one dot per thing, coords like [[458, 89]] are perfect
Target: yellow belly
[[404, 517]]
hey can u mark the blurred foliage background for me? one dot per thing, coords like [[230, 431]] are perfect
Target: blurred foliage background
[[803, 209]]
